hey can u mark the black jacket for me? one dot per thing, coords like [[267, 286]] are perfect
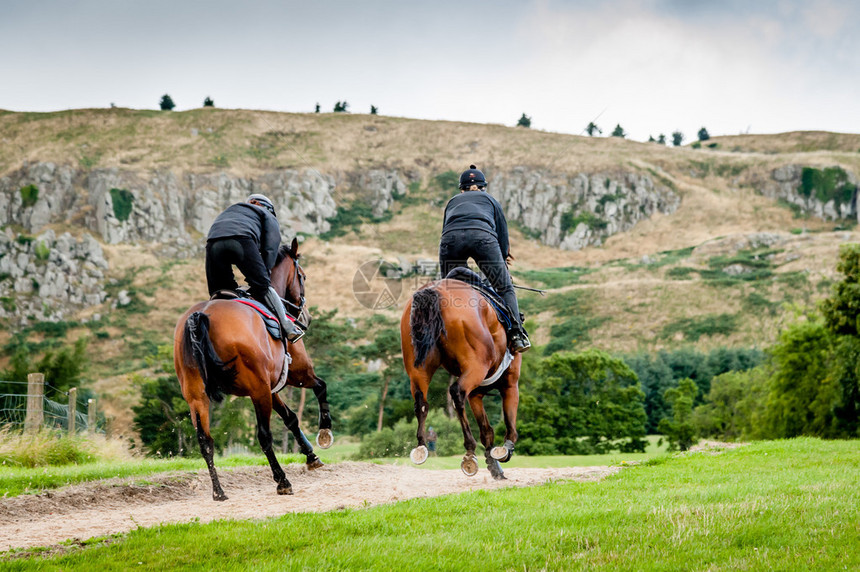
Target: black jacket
[[477, 210], [244, 220]]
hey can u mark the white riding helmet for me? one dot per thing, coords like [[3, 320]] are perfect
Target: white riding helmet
[[264, 202]]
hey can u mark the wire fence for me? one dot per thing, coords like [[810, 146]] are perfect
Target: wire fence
[[13, 409]]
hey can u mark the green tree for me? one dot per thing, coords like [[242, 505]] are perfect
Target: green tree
[[677, 138], [580, 403], [374, 110], [803, 392], [661, 139], [524, 121], [703, 134], [734, 408], [618, 131], [679, 431], [341, 107], [166, 103], [592, 128], [651, 139], [841, 312], [208, 102], [317, 108]]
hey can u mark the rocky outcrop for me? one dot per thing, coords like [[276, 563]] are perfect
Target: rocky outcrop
[[829, 193], [162, 207], [575, 211], [46, 278]]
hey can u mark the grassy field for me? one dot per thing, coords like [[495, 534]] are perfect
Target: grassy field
[[785, 505]]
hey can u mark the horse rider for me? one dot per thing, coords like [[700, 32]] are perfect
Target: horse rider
[[475, 227], [247, 235]]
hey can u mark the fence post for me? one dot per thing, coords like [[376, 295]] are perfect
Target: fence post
[[73, 405], [35, 402], [91, 417]]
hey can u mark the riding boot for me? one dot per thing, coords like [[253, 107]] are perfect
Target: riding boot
[[518, 338], [291, 332]]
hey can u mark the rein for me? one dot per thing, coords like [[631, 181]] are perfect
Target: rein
[[297, 308]]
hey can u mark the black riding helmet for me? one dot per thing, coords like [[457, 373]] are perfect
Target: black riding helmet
[[472, 176]]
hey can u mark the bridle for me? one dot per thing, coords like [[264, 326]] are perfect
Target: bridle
[[295, 310]]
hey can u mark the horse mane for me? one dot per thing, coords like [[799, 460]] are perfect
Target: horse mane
[[283, 252]]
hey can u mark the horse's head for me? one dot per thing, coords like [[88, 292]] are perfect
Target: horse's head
[[288, 280]]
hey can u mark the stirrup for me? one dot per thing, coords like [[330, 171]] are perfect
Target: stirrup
[[520, 342]]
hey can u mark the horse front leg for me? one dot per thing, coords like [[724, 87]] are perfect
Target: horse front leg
[[476, 401], [291, 421], [263, 408], [200, 420], [469, 465], [325, 438]]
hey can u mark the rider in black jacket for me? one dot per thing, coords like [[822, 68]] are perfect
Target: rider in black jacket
[[475, 227], [247, 235]]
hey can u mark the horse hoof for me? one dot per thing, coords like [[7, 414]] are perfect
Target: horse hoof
[[315, 464], [325, 438], [500, 454], [469, 466], [285, 490], [219, 496], [419, 454], [500, 477]]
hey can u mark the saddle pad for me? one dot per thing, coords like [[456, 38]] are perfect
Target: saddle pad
[[271, 322], [486, 290]]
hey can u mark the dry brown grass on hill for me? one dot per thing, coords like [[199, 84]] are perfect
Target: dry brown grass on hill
[[792, 142]]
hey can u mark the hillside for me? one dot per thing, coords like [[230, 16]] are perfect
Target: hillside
[[640, 246]]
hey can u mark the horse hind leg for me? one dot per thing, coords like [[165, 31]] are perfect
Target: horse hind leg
[[264, 435], [487, 435], [291, 421], [325, 438], [200, 418]]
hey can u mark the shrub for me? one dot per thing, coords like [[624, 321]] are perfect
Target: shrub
[[677, 138], [42, 250], [29, 195], [524, 121], [618, 131], [208, 102], [703, 134], [122, 201], [399, 440], [571, 220], [826, 184]]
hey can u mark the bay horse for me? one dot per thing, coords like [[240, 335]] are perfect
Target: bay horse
[[449, 324], [222, 346]]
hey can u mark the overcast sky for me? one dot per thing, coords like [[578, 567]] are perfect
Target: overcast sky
[[653, 66]]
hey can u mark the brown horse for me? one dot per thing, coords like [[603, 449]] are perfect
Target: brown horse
[[222, 346], [449, 324]]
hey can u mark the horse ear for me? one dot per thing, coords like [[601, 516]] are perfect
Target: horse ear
[[294, 246]]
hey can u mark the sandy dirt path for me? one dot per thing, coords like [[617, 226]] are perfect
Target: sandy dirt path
[[114, 506]]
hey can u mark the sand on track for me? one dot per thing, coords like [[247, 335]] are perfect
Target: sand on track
[[101, 508]]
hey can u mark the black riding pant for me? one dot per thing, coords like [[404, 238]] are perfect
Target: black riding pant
[[244, 253], [457, 246]]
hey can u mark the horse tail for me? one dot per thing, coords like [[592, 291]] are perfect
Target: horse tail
[[425, 323], [199, 354]]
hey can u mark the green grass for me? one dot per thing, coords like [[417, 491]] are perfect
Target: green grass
[[553, 277], [18, 480], [784, 505]]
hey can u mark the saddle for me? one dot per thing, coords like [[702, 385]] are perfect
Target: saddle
[[273, 326], [483, 287]]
